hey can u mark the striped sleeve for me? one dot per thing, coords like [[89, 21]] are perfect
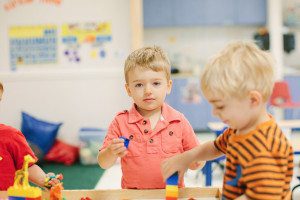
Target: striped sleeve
[[222, 140]]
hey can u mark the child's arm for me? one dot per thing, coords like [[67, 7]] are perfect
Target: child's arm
[[37, 176], [108, 156], [181, 162]]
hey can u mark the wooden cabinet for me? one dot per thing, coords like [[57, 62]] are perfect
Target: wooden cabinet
[[177, 13]]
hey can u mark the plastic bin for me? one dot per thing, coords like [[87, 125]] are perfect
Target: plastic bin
[[90, 141]]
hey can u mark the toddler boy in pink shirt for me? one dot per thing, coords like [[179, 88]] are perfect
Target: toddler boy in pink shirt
[[156, 131]]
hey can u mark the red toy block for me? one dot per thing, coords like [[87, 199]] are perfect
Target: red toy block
[[171, 198]]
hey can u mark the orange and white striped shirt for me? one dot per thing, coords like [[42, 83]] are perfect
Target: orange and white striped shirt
[[259, 164]]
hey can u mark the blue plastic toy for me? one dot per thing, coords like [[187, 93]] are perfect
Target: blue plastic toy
[[173, 180], [126, 141]]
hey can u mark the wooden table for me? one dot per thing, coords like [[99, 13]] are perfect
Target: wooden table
[[184, 193]]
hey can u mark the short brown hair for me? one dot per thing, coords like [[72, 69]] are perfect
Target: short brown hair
[[1, 87], [153, 58]]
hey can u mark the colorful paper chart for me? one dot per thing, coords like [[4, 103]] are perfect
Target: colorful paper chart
[[90, 36], [32, 45], [86, 32]]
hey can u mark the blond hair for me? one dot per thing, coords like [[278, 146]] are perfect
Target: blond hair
[[239, 68], [153, 58]]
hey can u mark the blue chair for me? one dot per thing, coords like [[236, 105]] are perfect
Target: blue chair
[[207, 169]]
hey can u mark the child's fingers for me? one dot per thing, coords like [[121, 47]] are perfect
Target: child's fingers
[[117, 141], [120, 150], [166, 170], [54, 181], [180, 175], [122, 154], [117, 148]]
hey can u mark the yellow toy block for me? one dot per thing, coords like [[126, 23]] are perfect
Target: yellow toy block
[[171, 188], [171, 191], [171, 194]]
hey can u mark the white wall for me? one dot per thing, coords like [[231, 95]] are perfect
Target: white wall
[[77, 95], [190, 48], [117, 12], [88, 98]]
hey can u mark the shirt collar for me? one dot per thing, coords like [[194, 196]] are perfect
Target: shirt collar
[[168, 113]]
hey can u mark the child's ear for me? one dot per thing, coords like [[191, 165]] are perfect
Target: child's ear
[[169, 85], [127, 89], [255, 98]]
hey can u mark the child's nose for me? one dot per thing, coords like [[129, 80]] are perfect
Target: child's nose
[[147, 89]]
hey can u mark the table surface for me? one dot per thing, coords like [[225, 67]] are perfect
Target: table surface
[[184, 193]]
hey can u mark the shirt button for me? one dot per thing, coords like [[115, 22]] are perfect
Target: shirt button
[[145, 131], [144, 122], [151, 140], [131, 137], [171, 133]]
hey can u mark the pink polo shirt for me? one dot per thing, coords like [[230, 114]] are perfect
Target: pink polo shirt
[[148, 148]]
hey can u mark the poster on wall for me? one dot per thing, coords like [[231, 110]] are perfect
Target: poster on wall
[[85, 42], [32, 45]]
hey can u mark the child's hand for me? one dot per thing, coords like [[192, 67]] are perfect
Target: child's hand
[[52, 179], [197, 165], [173, 164], [117, 147]]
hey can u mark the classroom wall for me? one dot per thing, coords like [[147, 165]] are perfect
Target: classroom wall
[[42, 12], [77, 94], [78, 99], [90, 93], [189, 48]]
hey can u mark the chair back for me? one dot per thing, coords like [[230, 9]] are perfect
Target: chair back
[[281, 94]]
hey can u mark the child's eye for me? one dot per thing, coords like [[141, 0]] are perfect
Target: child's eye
[[219, 107], [156, 83], [138, 85]]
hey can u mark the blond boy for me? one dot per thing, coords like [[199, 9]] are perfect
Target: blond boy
[[238, 82], [156, 131]]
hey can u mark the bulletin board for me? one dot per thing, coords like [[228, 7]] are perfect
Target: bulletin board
[[37, 34]]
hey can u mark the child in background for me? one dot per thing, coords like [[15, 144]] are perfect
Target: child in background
[[156, 131], [13, 148], [238, 82]]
